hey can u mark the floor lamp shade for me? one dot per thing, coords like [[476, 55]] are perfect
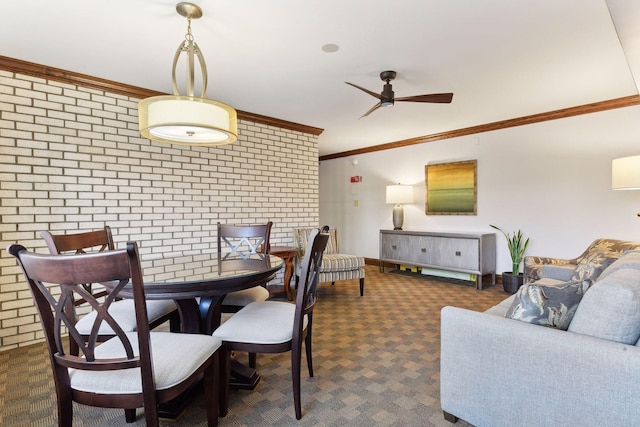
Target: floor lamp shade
[[625, 173], [398, 195]]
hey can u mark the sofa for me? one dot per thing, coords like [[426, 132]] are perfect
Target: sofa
[[505, 368]]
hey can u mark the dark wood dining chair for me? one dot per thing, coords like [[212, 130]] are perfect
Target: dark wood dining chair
[[242, 241], [130, 370], [158, 311], [277, 326]]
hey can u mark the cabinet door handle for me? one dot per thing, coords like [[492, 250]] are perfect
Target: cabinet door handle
[[394, 247], [423, 250], [458, 253]]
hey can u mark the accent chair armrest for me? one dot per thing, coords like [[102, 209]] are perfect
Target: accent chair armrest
[[533, 266]]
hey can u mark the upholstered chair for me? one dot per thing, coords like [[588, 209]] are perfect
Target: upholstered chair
[[336, 266]]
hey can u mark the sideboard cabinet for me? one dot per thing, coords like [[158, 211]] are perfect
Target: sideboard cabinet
[[473, 253]]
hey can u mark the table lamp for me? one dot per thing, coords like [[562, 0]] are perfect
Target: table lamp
[[625, 173], [399, 194]]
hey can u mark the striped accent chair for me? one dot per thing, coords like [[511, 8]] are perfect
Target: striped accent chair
[[335, 266]]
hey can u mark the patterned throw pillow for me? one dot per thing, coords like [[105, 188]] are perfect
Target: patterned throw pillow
[[552, 306], [592, 265]]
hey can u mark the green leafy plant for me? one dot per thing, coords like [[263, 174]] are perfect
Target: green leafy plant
[[517, 246]]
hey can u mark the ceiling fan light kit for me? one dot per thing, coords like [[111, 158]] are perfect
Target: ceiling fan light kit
[[188, 120], [387, 97]]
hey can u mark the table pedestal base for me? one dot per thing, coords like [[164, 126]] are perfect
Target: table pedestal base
[[172, 410], [243, 377]]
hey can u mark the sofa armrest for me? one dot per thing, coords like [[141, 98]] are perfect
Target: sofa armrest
[[502, 372]]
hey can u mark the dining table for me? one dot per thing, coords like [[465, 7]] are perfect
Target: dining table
[[198, 282]]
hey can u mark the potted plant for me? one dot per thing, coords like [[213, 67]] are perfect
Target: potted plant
[[512, 280]]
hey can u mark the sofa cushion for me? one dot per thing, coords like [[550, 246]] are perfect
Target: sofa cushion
[[611, 308], [552, 306]]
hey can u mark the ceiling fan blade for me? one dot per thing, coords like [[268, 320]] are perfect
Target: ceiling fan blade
[[375, 95], [374, 108], [441, 98]]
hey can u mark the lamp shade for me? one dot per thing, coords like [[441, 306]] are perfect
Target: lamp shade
[[625, 173], [399, 194], [187, 120]]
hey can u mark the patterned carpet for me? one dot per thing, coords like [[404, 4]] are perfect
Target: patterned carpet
[[376, 362]]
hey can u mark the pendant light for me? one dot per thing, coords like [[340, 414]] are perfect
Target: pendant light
[[188, 120]]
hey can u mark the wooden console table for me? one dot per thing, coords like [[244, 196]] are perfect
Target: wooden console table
[[473, 253]]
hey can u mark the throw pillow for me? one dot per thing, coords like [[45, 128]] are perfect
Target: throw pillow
[[552, 306], [592, 265], [611, 308], [629, 260]]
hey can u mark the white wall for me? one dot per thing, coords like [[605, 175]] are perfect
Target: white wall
[[551, 179]]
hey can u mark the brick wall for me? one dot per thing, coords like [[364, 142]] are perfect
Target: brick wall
[[71, 159]]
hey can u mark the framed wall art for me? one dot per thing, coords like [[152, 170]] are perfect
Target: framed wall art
[[451, 188]]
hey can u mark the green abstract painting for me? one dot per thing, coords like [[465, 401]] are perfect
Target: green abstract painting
[[451, 188]]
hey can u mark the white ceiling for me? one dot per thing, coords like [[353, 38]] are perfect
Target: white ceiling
[[502, 59]]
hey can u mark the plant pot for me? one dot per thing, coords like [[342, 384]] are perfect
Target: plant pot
[[511, 283]]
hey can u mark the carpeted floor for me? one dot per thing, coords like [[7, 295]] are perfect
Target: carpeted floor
[[376, 362]]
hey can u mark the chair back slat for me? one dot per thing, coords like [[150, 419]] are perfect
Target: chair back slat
[[56, 281], [243, 240], [81, 243], [91, 241]]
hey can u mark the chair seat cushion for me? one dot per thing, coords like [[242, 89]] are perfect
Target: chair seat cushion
[[246, 296], [175, 357], [266, 322], [340, 262], [124, 313]]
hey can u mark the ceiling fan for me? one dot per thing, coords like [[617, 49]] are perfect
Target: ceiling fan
[[387, 99]]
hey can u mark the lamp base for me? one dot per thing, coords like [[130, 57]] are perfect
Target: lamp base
[[398, 217]]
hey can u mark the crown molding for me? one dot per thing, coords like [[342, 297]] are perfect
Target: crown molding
[[78, 79], [69, 77], [595, 107]]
